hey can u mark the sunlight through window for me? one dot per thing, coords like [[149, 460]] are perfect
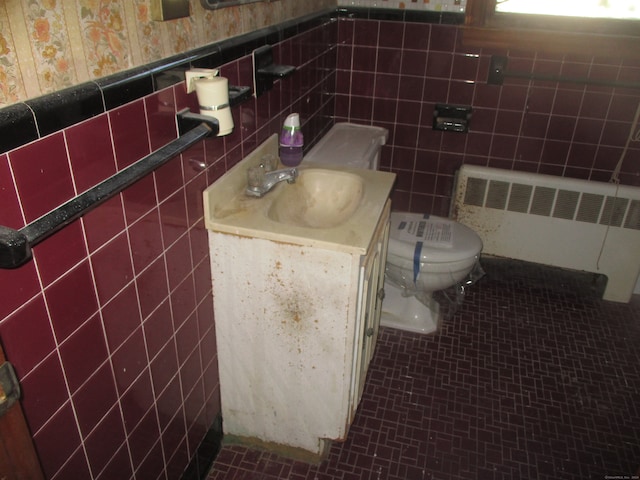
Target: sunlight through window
[[620, 9]]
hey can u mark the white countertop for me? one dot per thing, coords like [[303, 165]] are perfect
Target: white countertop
[[228, 209]]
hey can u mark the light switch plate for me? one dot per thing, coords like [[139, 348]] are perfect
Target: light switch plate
[[162, 10]]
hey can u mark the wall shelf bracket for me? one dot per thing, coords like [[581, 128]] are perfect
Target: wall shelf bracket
[[265, 71]]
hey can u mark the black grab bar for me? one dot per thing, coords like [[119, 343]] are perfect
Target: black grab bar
[[15, 245], [498, 71]]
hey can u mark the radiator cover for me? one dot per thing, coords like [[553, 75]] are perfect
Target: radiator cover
[[563, 222]]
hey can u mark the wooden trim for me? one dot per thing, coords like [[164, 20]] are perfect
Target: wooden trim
[[18, 458], [552, 42], [483, 28], [479, 12]]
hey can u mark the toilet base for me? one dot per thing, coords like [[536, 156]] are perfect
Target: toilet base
[[408, 313]]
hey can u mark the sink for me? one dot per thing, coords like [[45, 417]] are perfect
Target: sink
[[329, 206], [320, 198]]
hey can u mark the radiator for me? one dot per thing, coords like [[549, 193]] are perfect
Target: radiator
[[574, 224]]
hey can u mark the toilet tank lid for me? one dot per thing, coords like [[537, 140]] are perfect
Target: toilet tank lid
[[441, 239], [349, 144]]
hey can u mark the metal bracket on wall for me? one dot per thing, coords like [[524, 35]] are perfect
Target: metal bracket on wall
[[498, 71], [497, 68], [265, 71], [452, 118], [238, 95]]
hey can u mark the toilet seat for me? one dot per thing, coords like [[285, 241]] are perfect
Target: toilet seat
[[448, 242]]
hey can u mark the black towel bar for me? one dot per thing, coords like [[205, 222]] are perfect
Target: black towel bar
[[498, 71], [15, 245]]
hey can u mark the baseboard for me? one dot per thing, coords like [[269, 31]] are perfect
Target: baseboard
[[200, 464]]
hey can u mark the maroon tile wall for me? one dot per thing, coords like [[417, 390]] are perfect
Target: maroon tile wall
[[392, 74], [111, 327]]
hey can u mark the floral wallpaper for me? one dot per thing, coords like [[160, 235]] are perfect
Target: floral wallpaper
[[104, 36], [48, 45], [10, 89]]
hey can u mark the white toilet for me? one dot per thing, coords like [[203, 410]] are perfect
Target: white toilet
[[426, 253]]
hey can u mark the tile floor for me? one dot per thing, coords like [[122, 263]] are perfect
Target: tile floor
[[533, 377]]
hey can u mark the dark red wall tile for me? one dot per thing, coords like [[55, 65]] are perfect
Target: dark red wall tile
[[58, 253], [90, 152], [104, 222], [43, 392], [152, 287], [145, 238], [158, 329], [71, 300], [18, 286], [105, 441], [136, 400], [112, 268], [95, 398], [130, 136], [42, 175], [53, 452], [79, 362], [30, 324], [144, 438], [161, 117], [129, 360]]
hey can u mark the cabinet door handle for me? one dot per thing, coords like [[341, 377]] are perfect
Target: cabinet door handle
[[381, 294]]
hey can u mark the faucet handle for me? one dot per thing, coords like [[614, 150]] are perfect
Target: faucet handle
[[270, 162], [255, 175]]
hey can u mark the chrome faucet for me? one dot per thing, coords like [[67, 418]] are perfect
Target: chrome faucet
[[260, 181]]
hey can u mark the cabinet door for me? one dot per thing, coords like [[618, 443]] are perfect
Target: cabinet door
[[378, 286], [369, 330], [370, 294]]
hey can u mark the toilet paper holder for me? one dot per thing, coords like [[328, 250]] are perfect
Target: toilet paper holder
[[451, 118], [215, 98]]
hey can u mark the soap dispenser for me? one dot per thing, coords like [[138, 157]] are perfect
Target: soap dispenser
[[291, 141]]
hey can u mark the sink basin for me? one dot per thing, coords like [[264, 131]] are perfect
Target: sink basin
[[319, 199], [329, 206]]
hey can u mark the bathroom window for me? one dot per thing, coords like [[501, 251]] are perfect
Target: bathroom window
[[565, 26], [620, 9]]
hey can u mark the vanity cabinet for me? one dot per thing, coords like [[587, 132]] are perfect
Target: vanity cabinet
[[296, 328]]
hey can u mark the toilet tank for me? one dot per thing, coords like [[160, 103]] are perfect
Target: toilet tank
[[351, 145]]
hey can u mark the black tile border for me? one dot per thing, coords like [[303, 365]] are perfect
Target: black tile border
[[210, 446], [17, 126], [35, 118]]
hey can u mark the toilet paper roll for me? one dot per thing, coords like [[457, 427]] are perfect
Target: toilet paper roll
[[213, 97]]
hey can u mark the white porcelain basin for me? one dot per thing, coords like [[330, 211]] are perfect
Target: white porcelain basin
[[320, 198], [329, 206]]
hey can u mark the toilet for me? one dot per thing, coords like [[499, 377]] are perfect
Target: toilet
[[426, 253]]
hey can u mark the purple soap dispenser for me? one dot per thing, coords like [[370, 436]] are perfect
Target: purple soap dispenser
[[291, 141]]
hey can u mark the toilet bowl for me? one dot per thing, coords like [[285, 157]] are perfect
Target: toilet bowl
[[426, 253]]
